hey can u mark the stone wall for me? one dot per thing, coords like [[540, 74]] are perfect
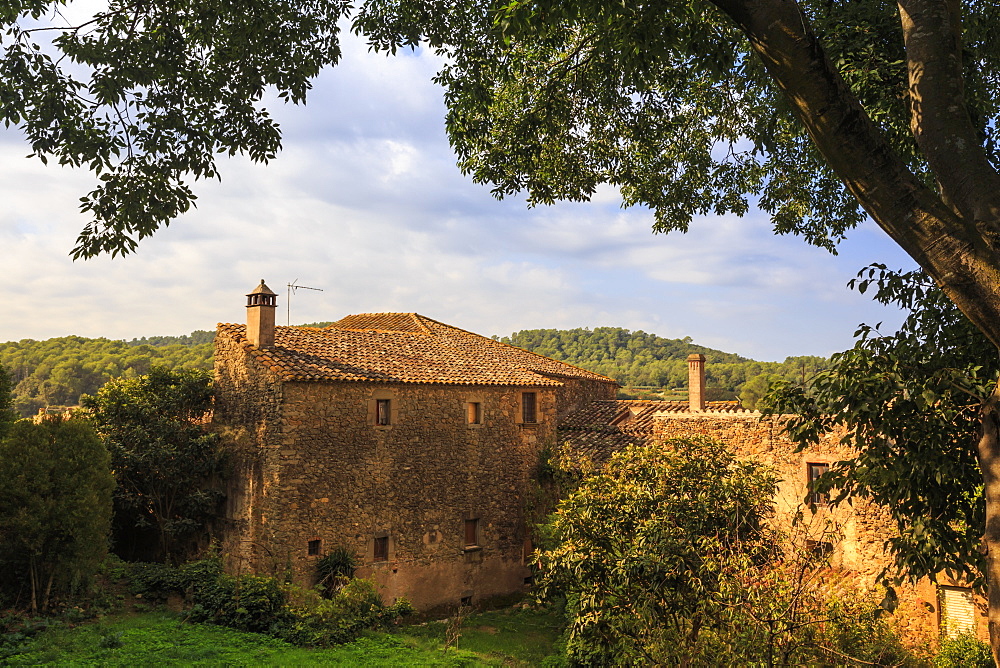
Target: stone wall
[[247, 412], [856, 532], [575, 394], [315, 468]]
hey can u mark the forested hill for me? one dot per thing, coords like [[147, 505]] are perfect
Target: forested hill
[[638, 359], [55, 372]]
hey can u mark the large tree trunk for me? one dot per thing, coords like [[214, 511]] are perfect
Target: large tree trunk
[[989, 461], [952, 233]]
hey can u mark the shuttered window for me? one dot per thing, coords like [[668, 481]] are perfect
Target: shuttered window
[[381, 551], [529, 413], [471, 533], [957, 611]]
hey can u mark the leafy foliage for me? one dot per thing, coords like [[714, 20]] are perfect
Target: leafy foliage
[[56, 372], [7, 414], [165, 461], [55, 508], [666, 101], [965, 651], [309, 617], [335, 569], [664, 558], [146, 95], [910, 403], [643, 547]]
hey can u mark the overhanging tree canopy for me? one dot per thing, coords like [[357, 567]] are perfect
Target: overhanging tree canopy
[[822, 110]]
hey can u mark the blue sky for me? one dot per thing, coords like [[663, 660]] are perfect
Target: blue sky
[[366, 203]]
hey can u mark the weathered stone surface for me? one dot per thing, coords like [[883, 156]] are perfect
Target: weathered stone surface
[[314, 465]]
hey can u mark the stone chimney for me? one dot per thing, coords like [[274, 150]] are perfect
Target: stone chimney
[[696, 382], [261, 304]]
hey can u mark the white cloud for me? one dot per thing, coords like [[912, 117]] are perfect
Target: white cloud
[[365, 201]]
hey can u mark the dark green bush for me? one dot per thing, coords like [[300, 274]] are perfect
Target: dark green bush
[[317, 620], [264, 605], [964, 651], [155, 581], [335, 569]]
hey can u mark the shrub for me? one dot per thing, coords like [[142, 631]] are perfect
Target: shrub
[[247, 603], [335, 569], [264, 605], [356, 606], [964, 651]]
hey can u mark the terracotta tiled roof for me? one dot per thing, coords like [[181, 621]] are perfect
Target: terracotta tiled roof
[[603, 427], [402, 348]]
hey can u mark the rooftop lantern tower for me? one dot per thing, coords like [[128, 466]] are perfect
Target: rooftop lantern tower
[[261, 305]]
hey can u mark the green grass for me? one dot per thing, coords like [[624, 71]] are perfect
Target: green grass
[[500, 638]]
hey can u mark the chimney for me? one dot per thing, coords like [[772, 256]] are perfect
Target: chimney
[[696, 382], [261, 304]]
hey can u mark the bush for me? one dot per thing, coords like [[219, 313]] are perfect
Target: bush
[[246, 603], [335, 570], [321, 621], [964, 651], [263, 605]]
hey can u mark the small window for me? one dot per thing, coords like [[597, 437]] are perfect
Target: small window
[[819, 549], [472, 533], [466, 601], [958, 611], [529, 407], [382, 411], [815, 470], [474, 412], [381, 551], [313, 548]]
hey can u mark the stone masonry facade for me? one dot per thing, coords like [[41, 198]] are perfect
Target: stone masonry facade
[[424, 482]]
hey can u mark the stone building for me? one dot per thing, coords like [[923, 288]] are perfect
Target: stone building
[[409, 442], [851, 536]]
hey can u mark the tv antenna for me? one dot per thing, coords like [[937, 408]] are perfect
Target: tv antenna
[[292, 287]]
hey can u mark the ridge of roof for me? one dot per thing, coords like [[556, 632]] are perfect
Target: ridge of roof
[[403, 348]]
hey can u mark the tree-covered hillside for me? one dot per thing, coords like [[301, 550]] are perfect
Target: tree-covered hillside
[[55, 372], [638, 359]]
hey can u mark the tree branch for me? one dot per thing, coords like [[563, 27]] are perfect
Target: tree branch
[[939, 118], [951, 249]]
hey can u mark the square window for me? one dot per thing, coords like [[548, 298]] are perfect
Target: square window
[[381, 551], [474, 412], [313, 547], [819, 549], [382, 411], [815, 470], [529, 407], [472, 533]]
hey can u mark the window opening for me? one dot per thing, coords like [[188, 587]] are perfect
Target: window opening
[[474, 412], [382, 411], [529, 411], [815, 471], [313, 548], [381, 552], [471, 533]]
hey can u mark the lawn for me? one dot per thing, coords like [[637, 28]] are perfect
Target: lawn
[[497, 638]]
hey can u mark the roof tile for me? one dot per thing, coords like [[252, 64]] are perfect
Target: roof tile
[[402, 348]]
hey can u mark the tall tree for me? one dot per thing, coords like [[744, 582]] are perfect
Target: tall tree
[[824, 111], [165, 461], [55, 507]]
